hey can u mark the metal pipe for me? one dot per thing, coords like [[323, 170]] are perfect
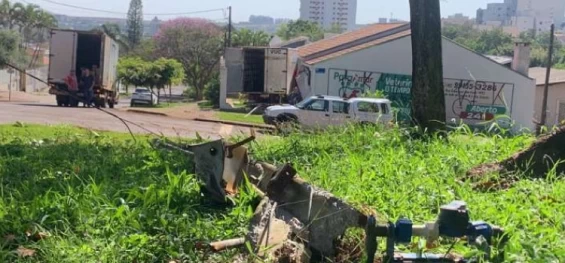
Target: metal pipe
[[225, 244]]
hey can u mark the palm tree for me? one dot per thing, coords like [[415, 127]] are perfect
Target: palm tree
[[29, 20], [8, 14], [246, 37]]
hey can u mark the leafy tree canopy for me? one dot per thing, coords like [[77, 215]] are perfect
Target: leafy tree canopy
[[497, 42], [301, 28], [197, 44]]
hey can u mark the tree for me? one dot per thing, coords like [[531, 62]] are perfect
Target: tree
[[301, 28], [8, 17], [145, 50], [170, 72], [157, 74], [113, 31], [132, 71], [428, 100], [247, 38], [197, 44], [29, 20], [335, 29], [135, 22], [9, 49]]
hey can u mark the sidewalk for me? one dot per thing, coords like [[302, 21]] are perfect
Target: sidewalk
[[18, 96]]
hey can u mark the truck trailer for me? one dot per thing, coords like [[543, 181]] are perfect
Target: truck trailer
[[263, 74], [73, 50]]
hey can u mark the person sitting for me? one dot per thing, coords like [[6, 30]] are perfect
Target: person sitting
[[72, 86], [88, 86]]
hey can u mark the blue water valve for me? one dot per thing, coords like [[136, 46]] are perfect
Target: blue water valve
[[480, 228], [403, 230]]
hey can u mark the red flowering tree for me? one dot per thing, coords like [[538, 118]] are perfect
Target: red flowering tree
[[197, 44]]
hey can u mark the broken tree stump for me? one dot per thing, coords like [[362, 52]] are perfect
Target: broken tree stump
[[536, 161]]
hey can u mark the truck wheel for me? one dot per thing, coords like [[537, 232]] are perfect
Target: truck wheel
[[111, 104], [60, 101]]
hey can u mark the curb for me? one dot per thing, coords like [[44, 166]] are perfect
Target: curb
[[147, 112], [243, 124]]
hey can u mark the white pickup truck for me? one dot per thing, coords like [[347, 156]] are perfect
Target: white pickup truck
[[325, 111]]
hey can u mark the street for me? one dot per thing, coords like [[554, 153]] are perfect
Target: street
[[91, 118]]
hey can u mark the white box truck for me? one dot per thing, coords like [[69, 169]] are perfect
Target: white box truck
[[73, 50], [263, 74]]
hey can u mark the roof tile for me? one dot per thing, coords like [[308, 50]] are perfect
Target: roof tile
[[341, 39]]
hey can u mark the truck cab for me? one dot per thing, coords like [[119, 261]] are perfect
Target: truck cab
[[326, 111]]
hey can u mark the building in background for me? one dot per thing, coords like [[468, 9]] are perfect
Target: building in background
[[523, 15], [330, 12], [555, 96], [150, 27], [262, 23], [355, 56], [456, 19]]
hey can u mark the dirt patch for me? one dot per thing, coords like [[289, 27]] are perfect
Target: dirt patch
[[536, 161]]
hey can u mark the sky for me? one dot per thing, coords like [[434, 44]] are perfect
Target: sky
[[368, 11]]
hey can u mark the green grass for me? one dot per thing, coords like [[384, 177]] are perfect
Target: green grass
[[104, 198], [240, 117]]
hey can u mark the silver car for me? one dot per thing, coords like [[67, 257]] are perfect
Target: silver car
[[143, 96]]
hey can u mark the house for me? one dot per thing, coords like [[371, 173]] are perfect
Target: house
[[478, 90], [555, 95]]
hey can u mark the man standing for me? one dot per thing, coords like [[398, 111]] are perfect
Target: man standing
[[72, 86], [88, 85]]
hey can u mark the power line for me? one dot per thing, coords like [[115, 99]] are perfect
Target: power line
[[122, 13]]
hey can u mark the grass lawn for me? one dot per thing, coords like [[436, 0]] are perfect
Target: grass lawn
[[72, 195], [240, 117]]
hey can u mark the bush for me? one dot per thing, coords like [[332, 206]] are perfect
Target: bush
[[189, 93], [212, 92]]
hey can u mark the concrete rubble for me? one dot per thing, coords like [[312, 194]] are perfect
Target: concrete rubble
[[294, 219]]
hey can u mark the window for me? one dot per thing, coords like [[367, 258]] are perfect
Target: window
[[384, 108], [317, 105], [369, 107], [340, 107]]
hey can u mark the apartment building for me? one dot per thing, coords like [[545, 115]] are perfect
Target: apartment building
[[524, 15], [330, 12]]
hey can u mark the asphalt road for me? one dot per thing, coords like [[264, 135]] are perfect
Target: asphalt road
[[92, 118]]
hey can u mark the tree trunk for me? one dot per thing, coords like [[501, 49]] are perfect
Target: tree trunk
[[158, 95], [428, 100]]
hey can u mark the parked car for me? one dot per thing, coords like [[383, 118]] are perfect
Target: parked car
[[143, 96], [323, 111]]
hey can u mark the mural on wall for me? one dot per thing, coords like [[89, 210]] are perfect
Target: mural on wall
[[477, 101], [472, 101], [397, 88], [351, 83]]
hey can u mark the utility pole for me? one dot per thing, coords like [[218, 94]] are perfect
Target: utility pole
[[229, 27], [547, 75]]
